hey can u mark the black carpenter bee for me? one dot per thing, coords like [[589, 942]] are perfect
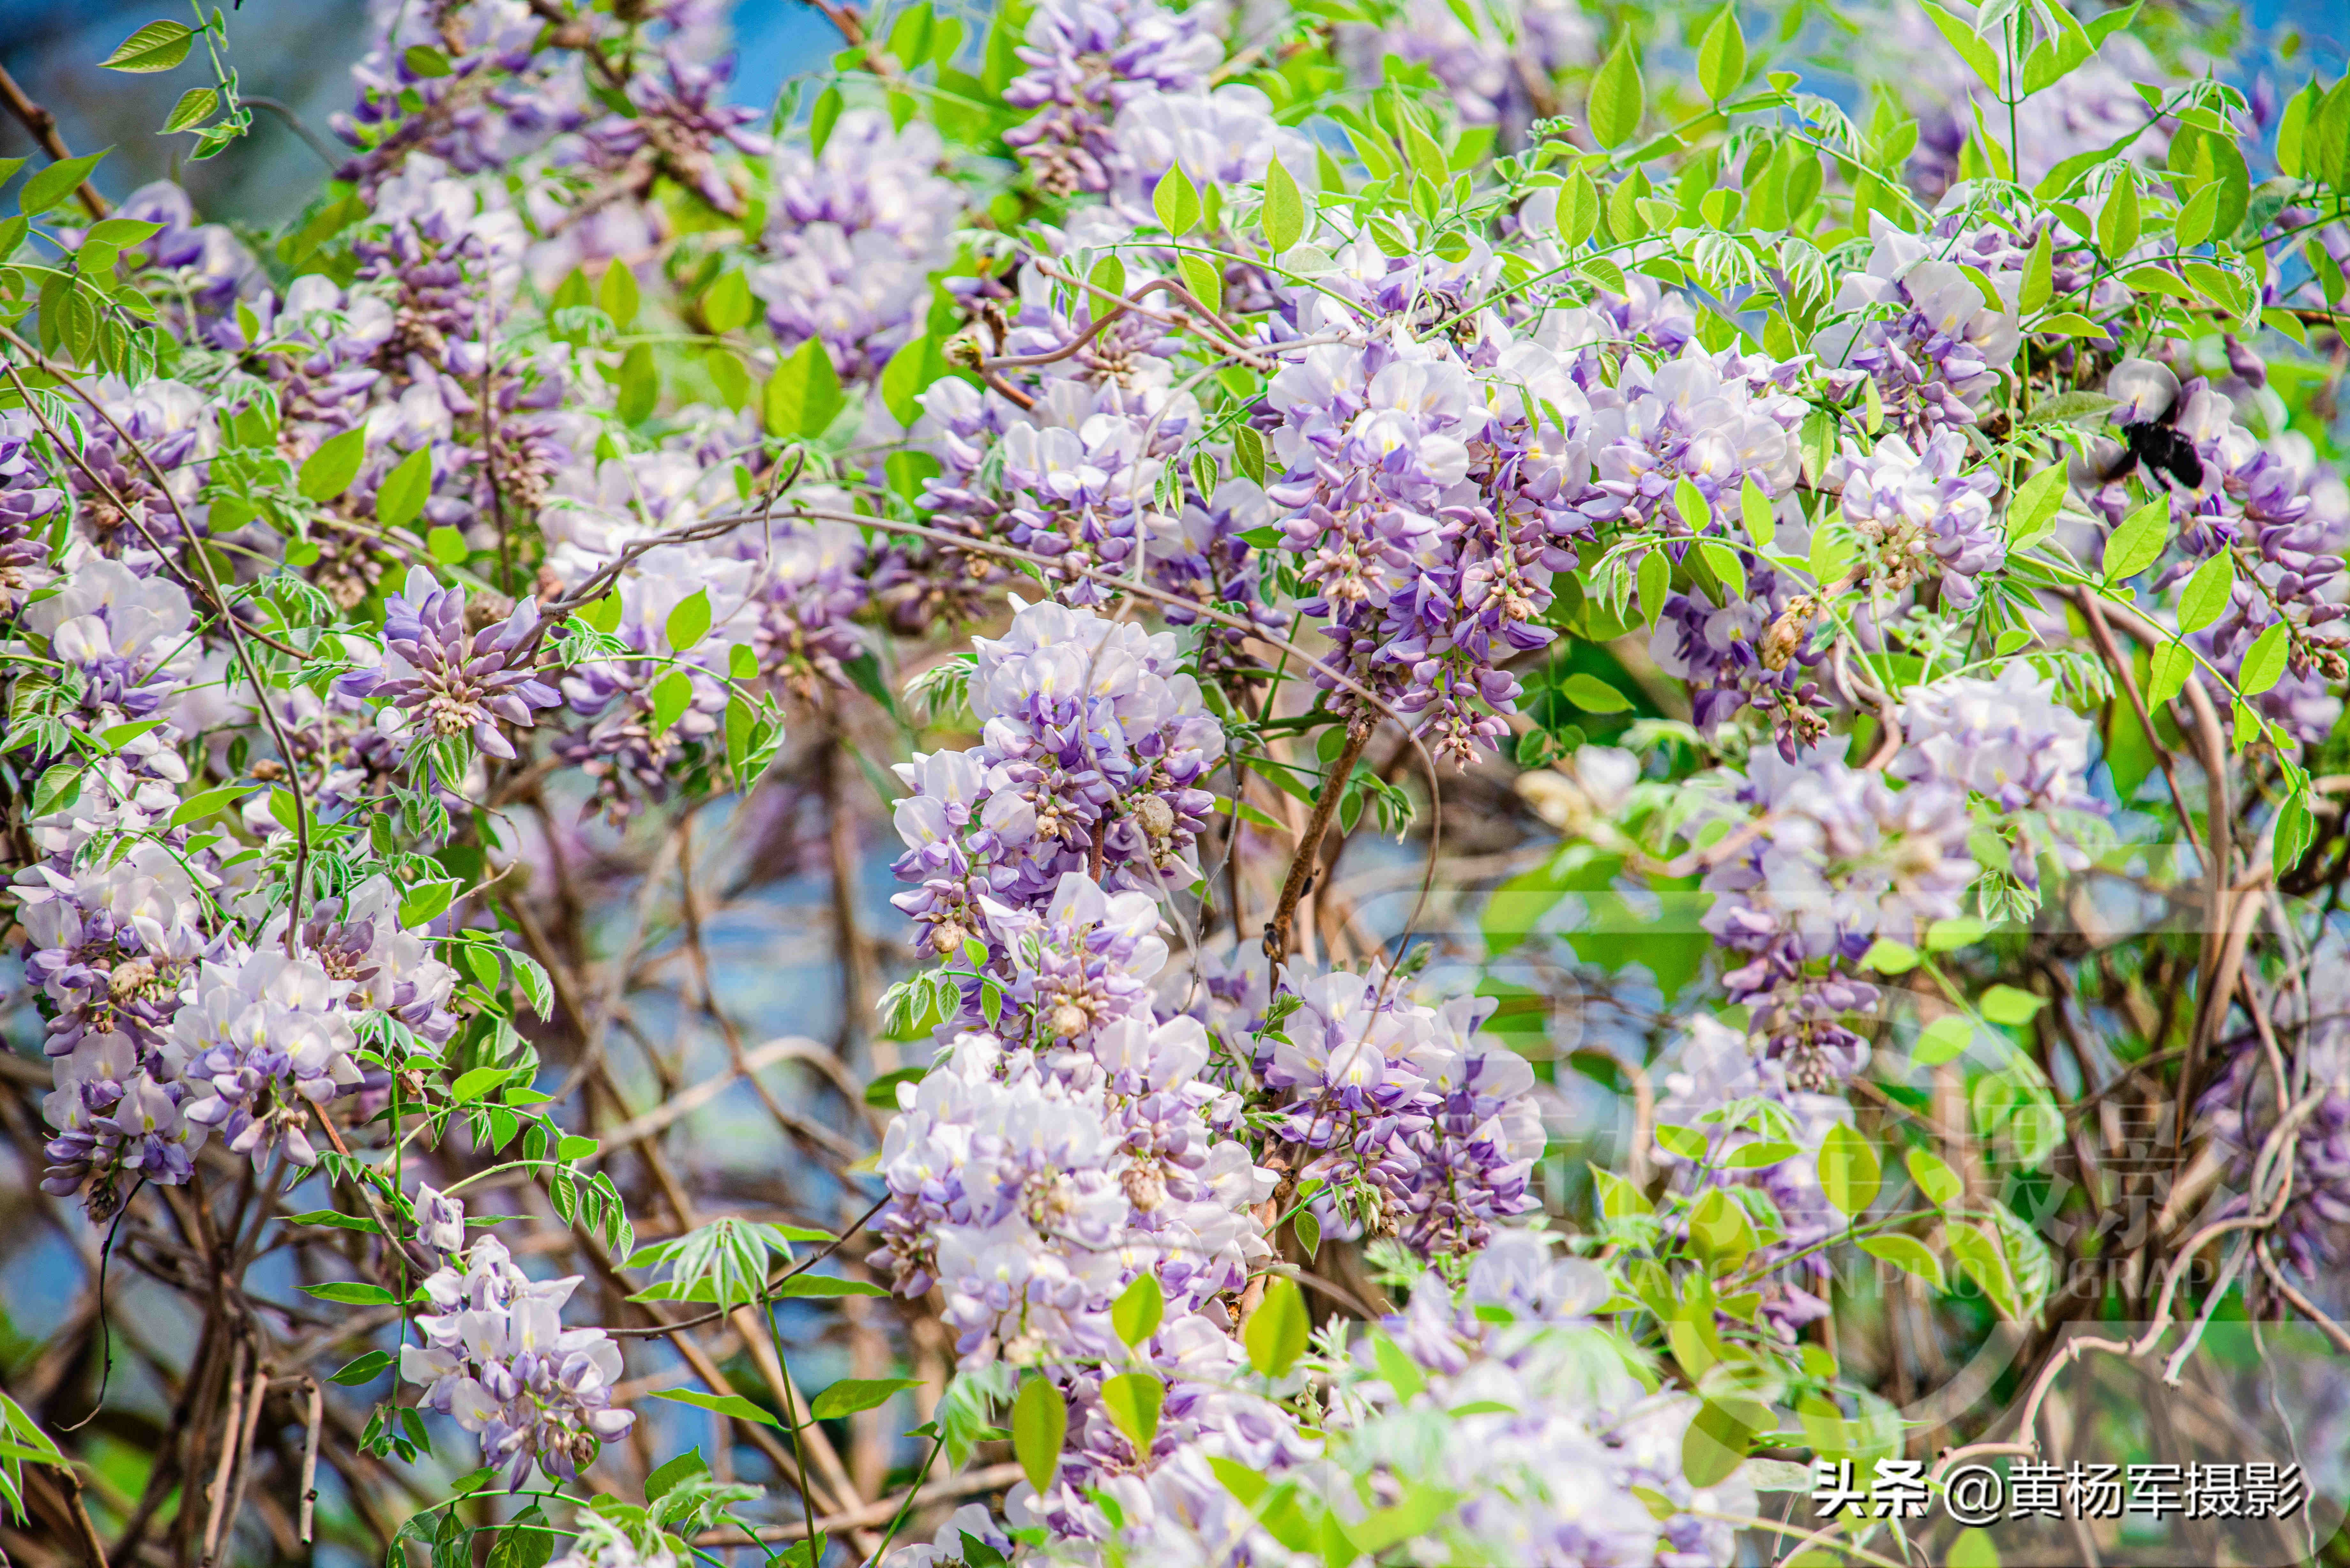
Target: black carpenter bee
[[2153, 440]]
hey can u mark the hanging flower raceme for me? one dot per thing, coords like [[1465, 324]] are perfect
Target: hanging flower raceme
[[1093, 757], [1426, 1133], [267, 1036], [28, 499], [1085, 62], [1922, 330], [497, 1357], [1922, 516], [1830, 861], [451, 677], [857, 230]]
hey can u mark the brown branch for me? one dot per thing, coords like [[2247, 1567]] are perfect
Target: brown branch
[[1281, 930], [43, 127]]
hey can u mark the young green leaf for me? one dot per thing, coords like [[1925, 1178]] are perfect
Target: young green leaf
[[1578, 210], [1906, 1253], [2038, 274], [1276, 1331], [1615, 105], [45, 190], [328, 471], [1135, 1313], [616, 295], [2205, 598], [1850, 1173], [690, 621], [1133, 1399], [732, 1404], [194, 108], [1176, 201], [726, 304], [156, 47], [2139, 542], [1592, 694], [2032, 514], [803, 394], [1937, 1180], [1285, 208], [2117, 220], [851, 1395], [1039, 1423], [2263, 664], [1721, 56]]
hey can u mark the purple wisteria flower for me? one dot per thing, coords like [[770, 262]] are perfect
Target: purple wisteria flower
[[1923, 515], [267, 1036], [1087, 59], [448, 677], [1757, 652], [678, 122], [857, 232], [1092, 759], [1922, 330], [1427, 1134], [28, 499], [497, 1357], [1833, 860], [1715, 420]]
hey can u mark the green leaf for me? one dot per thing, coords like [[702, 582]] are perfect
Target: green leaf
[[426, 900], [1578, 210], [1040, 1420], [1906, 1253], [2011, 1006], [1285, 208], [1937, 1180], [1276, 1331], [1971, 1549], [732, 1404], [156, 47], [363, 1369], [1591, 694], [2325, 151], [425, 60], [1654, 581], [328, 471], [45, 190], [803, 395], [1961, 36], [616, 295], [2263, 664], [447, 545], [1943, 1040], [350, 1293], [2117, 220], [667, 1477], [1724, 561], [2173, 663], [403, 494], [726, 304], [195, 808], [1133, 1399], [1754, 507], [194, 108], [825, 1286], [1849, 1174], [1887, 956], [912, 370], [1721, 56], [2297, 829], [1309, 1233], [1176, 202], [672, 695], [851, 1395], [1984, 1262], [639, 390], [2139, 542], [2038, 284], [478, 1083], [2205, 598], [1138, 1309], [1617, 96], [2033, 511], [688, 623], [821, 119]]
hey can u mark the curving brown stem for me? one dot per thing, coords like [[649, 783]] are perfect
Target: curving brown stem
[[1279, 932], [43, 127]]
